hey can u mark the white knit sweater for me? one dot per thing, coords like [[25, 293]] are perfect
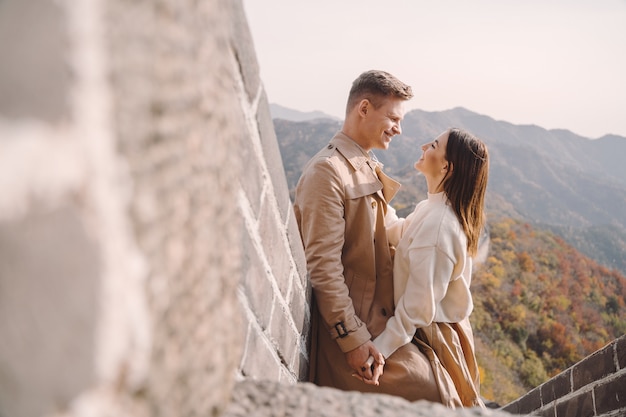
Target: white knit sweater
[[432, 272]]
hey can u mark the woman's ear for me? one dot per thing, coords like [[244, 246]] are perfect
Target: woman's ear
[[448, 167]]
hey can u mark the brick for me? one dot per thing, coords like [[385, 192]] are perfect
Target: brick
[[251, 177], [513, 407], [530, 402], [546, 412], [49, 296], [556, 387], [284, 338], [299, 310], [620, 345], [35, 77], [578, 406], [301, 365], [274, 245], [259, 362], [287, 376], [611, 395], [593, 368], [257, 286], [297, 250]]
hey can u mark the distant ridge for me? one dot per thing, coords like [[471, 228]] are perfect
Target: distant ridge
[[554, 179], [280, 112]]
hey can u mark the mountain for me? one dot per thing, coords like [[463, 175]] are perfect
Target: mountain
[[551, 289], [280, 112], [554, 179], [552, 176]]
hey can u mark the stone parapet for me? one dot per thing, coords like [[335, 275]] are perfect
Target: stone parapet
[[270, 399], [595, 386]]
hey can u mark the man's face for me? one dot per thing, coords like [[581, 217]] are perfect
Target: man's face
[[382, 123]]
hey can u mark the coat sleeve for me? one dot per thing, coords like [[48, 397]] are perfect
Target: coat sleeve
[[320, 207]]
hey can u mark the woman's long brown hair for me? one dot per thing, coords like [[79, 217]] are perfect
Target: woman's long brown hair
[[466, 185]]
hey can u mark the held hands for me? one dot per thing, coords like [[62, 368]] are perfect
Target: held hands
[[367, 362], [373, 366]]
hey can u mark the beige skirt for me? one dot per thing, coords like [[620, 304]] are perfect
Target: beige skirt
[[439, 366], [450, 349]]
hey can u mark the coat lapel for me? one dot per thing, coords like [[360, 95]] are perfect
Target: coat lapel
[[377, 182]]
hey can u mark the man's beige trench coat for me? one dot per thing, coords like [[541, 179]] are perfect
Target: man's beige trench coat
[[340, 205]]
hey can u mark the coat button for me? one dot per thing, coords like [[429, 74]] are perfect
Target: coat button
[[330, 146], [373, 204]]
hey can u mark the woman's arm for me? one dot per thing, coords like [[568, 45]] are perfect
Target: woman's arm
[[430, 270], [394, 226]]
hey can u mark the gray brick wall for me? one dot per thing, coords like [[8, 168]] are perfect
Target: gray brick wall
[[274, 293], [595, 386]]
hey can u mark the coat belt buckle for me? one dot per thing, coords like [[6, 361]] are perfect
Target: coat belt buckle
[[341, 330]]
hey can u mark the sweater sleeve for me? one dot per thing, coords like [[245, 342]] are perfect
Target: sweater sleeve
[[430, 272], [394, 226]]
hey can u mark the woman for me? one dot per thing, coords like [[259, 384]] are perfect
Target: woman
[[433, 263]]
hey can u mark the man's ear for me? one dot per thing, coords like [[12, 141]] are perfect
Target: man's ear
[[364, 107]]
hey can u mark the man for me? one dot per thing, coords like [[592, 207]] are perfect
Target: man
[[340, 204]]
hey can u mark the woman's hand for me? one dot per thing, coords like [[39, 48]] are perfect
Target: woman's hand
[[374, 367]]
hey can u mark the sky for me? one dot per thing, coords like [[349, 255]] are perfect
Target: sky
[[558, 64]]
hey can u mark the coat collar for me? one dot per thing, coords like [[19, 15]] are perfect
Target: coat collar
[[360, 160], [351, 150]]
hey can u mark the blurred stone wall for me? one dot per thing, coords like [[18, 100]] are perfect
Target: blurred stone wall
[[149, 257]]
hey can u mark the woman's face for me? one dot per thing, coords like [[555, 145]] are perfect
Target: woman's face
[[433, 162]]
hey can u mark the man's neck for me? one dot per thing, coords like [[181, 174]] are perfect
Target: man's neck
[[353, 135]]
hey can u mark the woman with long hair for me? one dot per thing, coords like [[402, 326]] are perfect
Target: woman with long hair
[[433, 265]]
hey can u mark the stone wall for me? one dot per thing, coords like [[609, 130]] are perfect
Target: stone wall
[[149, 257], [304, 399], [274, 292], [150, 264], [595, 386]]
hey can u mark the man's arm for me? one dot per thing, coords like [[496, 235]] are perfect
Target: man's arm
[[320, 206]]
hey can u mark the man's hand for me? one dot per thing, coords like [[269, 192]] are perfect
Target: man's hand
[[367, 362]]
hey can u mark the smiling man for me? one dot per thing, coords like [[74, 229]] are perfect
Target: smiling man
[[342, 199]]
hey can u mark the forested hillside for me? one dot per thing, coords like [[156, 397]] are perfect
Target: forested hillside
[[540, 307]]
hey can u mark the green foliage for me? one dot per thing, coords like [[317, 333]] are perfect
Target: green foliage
[[532, 370], [541, 306]]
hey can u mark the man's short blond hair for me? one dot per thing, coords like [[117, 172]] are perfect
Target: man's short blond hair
[[376, 86]]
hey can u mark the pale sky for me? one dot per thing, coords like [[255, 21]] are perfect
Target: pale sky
[[558, 64]]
